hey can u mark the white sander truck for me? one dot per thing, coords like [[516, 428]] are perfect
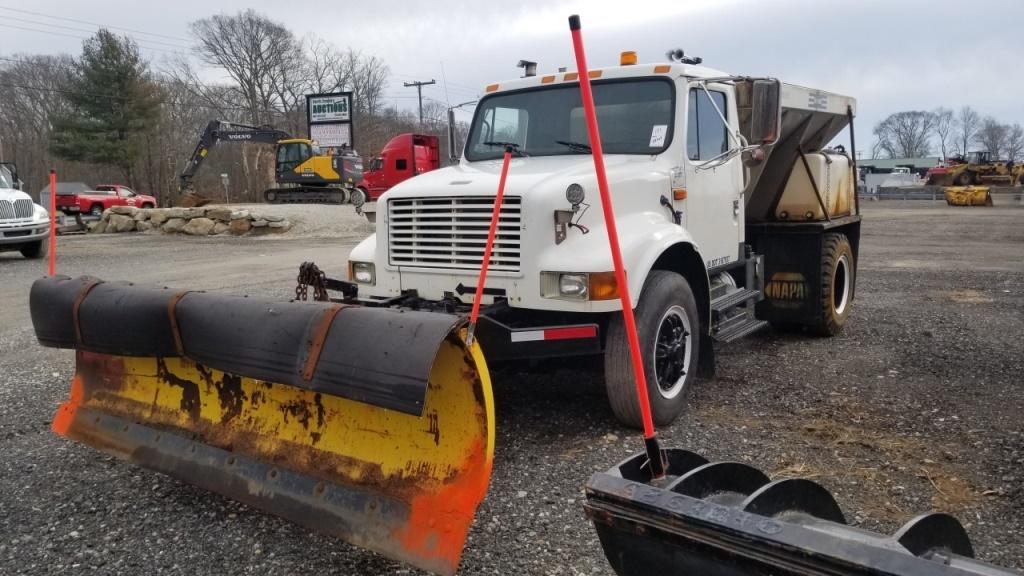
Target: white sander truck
[[731, 211]]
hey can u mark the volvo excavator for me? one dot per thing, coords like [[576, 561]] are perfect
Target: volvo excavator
[[371, 417], [303, 172]]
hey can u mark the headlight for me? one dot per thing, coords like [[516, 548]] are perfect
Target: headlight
[[41, 213], [572, 285], [579, 285], [361, 272]]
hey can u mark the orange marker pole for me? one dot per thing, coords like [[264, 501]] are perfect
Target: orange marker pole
[[655, 457], [488, 248], [53, 223]]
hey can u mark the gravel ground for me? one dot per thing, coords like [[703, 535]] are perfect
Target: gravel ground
[[916, 406]]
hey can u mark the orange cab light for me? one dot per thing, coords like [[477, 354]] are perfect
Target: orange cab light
[[679, 193], [594, 73], [627, 58], [570, 76], [492, 88], [547, 79], [662, 68]]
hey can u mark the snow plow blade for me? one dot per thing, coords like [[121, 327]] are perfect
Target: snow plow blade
[[729, 519], [374, 425], [968, 196]]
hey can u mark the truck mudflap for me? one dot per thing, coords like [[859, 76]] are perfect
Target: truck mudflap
[[373, 425], [730, 519]]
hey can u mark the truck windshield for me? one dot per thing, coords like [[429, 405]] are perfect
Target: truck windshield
[[635, 117], [6, 182]]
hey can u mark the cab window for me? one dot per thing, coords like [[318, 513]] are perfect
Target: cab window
[[706, 135]]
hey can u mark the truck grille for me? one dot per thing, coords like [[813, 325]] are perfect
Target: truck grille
[[18, 209], [451, 233]]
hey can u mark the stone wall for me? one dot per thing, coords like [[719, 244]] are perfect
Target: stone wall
[[202, 221]]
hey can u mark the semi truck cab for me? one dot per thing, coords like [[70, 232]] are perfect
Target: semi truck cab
[[732, 214], [24, 225]]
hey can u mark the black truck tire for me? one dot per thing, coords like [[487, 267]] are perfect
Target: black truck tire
[[35, 250], [965, 178], [669, 328], [837, 281]]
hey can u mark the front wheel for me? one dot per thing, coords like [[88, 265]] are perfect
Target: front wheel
[[669, 330], [35, 250]]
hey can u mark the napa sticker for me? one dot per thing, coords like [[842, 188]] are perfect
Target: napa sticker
[[787, 289]]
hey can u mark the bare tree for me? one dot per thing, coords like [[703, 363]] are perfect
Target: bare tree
[[905, 134], [1015, 144], [33, 89], [992, 136], [943, 127], [967, 120]]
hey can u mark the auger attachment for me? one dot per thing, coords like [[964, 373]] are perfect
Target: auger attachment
[[730, 519], [374, 425]]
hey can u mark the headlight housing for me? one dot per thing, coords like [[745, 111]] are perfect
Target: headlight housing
[[579, 285], [41, 213], [362, 272]]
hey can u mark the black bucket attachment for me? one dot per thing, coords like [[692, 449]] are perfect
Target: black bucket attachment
[[730, 519]]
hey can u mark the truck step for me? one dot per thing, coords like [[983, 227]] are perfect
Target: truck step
[[733, 299], [736, 330]]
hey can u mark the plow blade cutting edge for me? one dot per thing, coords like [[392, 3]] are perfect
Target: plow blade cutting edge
[[374, 425]]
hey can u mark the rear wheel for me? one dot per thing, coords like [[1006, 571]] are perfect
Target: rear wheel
[[147, 206], [669, 330], [965, 178], [837, 280], [35, 250], [96, 210]]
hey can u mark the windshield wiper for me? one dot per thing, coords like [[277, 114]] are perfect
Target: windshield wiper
[[512, 145], [575, 146]]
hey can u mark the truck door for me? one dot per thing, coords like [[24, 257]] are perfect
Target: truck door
[[713, 208]]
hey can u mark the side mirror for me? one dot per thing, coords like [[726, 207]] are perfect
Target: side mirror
[[453, 146], [766, 115]]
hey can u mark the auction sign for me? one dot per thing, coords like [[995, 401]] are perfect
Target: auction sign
[[330, 119]]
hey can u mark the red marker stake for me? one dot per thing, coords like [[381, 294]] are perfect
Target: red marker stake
[[53, 223], [654, 453], [491, 233]]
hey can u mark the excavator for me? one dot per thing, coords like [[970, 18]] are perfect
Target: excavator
[[303, 172], [373, 418]]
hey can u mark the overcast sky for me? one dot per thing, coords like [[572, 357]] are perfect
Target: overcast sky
[[889, 54]]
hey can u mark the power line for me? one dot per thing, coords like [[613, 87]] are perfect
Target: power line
[[143, 46], [90, 31], [92, 23]]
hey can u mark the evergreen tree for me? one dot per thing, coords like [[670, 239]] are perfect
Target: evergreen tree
[[114, 102]]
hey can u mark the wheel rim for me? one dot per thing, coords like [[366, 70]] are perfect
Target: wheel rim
[[672, 350], [841, 284]]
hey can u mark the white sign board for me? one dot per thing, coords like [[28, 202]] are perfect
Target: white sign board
[[331, 135], [335, 108]]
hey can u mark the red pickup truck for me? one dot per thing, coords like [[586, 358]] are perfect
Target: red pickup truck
[[102, 197]]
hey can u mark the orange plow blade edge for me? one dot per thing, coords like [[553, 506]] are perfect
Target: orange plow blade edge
[[394, 456]]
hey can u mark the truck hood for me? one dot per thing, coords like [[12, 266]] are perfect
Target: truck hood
[[528, 175], [11, 195]]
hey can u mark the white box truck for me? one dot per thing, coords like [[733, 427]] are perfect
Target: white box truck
[[732, 212]]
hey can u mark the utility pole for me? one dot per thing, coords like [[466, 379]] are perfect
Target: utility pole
[[419, 92]]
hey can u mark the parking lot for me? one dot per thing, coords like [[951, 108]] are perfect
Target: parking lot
[[915, 406]]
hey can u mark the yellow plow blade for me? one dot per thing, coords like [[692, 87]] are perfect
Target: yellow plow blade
[[404, 484], [968, 196]]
